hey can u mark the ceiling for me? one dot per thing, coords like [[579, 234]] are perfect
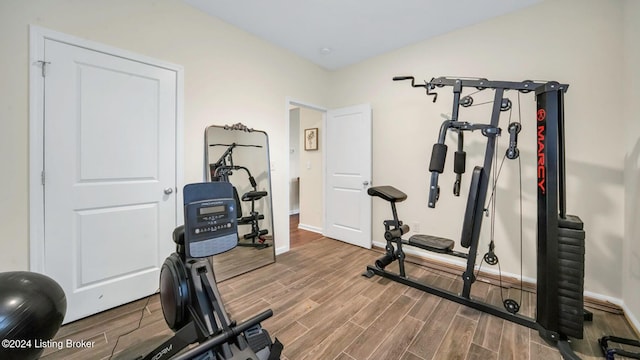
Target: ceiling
[[337, 33]]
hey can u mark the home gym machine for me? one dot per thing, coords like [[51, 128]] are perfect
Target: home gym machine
[[221, 170], [190, 300], [560, 237]]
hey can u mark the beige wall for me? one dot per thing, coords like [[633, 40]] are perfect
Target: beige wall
[[294, 161], [230, 76], [630, 90], [573, 41], [310, 171]]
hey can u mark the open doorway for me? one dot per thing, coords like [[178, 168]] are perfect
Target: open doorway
[[329, 182], [306, 185]]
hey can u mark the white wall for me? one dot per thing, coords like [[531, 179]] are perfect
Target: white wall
[[294, 161], [578, 42], [310, 171], [230, 77], [630, 90]]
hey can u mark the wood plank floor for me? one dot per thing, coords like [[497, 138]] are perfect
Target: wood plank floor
[[324, 309]]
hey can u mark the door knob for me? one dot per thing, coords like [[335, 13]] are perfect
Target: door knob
[[365, 183], [168, 190]]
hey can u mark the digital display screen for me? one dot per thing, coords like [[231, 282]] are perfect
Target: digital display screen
[[212, 210]]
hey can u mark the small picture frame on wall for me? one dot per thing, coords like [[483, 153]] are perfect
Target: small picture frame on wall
[[311, 139]]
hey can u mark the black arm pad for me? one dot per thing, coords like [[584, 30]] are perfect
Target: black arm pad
[[438, 155], [459, 162]]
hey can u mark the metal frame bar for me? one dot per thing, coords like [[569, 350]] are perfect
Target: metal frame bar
[[468, 276], [551, 194], [551, 204], [478, 305]]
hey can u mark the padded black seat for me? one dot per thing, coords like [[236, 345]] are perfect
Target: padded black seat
[[253, 195], [432, 243], [388, 193]]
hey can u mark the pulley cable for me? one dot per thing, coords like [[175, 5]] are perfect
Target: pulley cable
[[490, 257]]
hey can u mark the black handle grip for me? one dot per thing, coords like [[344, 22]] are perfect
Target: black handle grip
[[456, 185], [225, 336], [253, 182], [400, 78], [434, 190]]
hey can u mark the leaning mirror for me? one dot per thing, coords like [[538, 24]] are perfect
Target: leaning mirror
[[240, 155]]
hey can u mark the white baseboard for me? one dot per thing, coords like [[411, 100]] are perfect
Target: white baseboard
[[494, 271], [631, 317], [605, 298], [314, 229], [282, 250]]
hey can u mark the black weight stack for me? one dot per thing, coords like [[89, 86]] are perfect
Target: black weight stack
[[571, 275]]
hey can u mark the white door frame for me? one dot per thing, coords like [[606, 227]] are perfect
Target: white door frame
[[295, 102], [37, 37]]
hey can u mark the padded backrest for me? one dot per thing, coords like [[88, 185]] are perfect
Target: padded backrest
[[470, 213]]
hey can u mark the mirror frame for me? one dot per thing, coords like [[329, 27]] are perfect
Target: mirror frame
[[207, 177]]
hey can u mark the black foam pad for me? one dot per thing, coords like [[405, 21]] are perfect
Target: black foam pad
[[459, 162], [470, 212], [438, 156], [387, 192], [432, 243], [384, 261]]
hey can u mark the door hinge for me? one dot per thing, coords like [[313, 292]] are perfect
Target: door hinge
[[43, 65], [42, 178]]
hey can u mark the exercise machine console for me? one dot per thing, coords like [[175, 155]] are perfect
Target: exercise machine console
[[190, 300], [560, 237]]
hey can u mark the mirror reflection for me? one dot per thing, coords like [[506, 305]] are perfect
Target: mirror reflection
[[240, 155]]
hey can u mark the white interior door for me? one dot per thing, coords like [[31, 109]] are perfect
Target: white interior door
[[348, 175], [110, 175]]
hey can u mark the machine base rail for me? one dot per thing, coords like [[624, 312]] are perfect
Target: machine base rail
[[561, 343], [609, 353], [490, 309], [230, 333]]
